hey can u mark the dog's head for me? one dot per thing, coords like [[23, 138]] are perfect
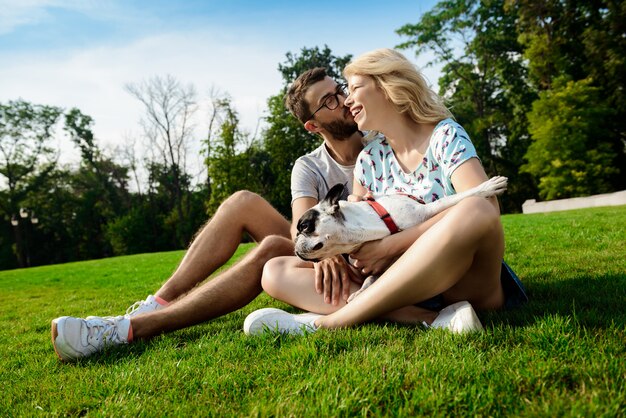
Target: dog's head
[[322, 229]]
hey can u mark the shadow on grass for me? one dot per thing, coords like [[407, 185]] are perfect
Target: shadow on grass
[[595, 302]]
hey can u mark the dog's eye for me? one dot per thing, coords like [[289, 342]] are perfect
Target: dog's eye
[[318, 246], [302, 226], [309, 227], [306, 224]]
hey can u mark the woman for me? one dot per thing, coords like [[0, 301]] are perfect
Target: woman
[[457, 255]]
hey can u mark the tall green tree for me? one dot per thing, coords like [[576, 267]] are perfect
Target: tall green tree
[[111, 178], [26, 160], [567, 154], [100, 186], [169, 108], [484, 82], [236, 162], [574, 45], [60, 233], [285, 139]]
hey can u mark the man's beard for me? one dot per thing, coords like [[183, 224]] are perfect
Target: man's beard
[[340, 129]]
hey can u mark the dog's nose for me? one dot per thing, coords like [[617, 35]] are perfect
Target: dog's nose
[[318, 246]]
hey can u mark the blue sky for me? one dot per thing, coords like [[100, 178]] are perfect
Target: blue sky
[[74, 53]]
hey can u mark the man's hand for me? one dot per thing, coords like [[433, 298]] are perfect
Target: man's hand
[[332, 278], [373, 258]]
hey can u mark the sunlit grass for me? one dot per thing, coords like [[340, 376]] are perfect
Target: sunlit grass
[[564, 353]]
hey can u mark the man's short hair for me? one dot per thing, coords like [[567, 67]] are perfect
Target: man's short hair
[[294, 99]]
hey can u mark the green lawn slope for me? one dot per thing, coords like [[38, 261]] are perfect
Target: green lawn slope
[[563, 354]]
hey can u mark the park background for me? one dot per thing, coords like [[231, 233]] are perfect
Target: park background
[[123, 125], [85, 172]]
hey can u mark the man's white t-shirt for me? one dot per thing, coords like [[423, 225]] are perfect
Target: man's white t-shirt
[[315, 173]]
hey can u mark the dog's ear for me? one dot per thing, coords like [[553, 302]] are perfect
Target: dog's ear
[[334, 194], [331, 201]]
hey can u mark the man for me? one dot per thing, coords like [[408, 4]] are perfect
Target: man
[[317, 101]]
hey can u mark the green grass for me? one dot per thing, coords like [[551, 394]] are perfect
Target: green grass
[[563, 354]]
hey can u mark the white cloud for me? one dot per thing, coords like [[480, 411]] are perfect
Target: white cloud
[[93, 79], [241, 61]]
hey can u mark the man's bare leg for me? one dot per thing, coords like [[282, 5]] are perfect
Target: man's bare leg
[[229, 291], [218, 240]]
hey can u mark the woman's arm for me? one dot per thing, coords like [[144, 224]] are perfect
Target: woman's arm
[[358, 192], [375, 256]]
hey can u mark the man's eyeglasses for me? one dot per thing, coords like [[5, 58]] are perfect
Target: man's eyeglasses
[[332, 102]]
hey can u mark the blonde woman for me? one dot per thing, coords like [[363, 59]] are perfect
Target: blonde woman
[[455, 257]]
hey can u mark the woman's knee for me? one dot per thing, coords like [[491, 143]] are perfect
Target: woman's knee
[[274, 273], [480, 212], [274, 246]]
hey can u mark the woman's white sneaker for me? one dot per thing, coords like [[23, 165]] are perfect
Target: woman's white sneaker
[[276, 320], [459, 318]]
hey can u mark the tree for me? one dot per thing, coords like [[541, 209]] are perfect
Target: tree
[[60, 233], [569, 154], [100, 187], [169, 108], [583, 42], [484, 82], [26, 160], [111, 178], [235, 162], [285, 139]]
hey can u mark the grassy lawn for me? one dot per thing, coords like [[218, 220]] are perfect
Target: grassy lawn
[[563, 354]]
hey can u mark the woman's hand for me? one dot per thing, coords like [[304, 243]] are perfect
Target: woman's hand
[[332, 278], [358, 198], [374, 257]]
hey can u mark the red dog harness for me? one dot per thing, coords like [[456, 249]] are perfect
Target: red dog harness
[[384, 215]]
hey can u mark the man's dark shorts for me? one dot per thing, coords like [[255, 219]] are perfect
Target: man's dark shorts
[[514, 292]]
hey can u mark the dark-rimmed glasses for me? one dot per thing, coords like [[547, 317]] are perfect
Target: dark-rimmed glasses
[[332, 102]]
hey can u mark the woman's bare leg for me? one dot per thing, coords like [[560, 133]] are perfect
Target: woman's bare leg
[[292, 280], [460, 256]]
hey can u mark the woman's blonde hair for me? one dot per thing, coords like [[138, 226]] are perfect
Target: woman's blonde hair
[[402, 83]]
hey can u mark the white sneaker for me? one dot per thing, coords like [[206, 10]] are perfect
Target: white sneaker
[[458, 318], [276, 320], [74, 338], [137, 308], [143, 306]]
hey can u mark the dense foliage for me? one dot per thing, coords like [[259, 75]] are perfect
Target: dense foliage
[[539, 86]]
